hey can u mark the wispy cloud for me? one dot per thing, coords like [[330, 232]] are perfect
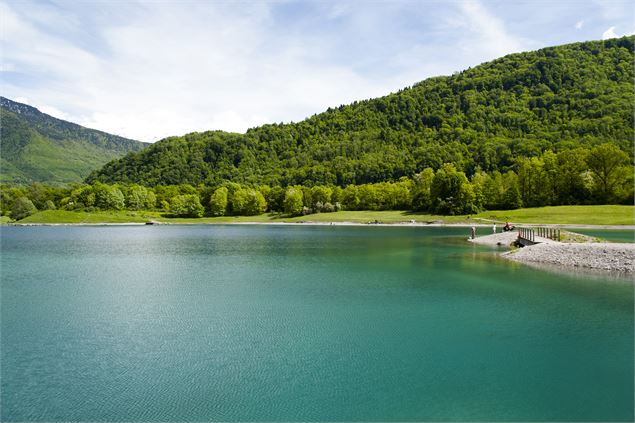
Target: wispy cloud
[[609, 33], [487, 31], [579, 24], [149, 70]]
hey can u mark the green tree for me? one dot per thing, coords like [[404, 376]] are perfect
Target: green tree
[[368, 195], [511, 198], [466, 200], [607, 165], [22, 207], [275, 199], [293, 201], [108, 197], [136, 197], [350, 198], [535, 188], [254, 203], [82, 196], [571, 186], [321, 194], [421, 199], [218, 202], [446, 192], [186, 205], [401, 198], [237, 201]]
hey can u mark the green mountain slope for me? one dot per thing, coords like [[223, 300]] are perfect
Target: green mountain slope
[[37, 147], [485, 117]]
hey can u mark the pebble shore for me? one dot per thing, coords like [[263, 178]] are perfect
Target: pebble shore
[[611, 257]]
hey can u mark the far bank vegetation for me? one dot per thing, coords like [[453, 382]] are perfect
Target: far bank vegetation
[[600, 175]]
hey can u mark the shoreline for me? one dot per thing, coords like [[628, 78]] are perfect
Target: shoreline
[[607, 257], [487, 226], [589, 256]]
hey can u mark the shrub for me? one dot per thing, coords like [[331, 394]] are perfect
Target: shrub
[[293, 201], [218, 202], [187, 205], [23, 207]]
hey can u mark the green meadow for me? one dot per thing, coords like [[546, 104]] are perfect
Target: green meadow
[[581, 215]]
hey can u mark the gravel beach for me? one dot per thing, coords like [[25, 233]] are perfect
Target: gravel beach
[[613, 257]]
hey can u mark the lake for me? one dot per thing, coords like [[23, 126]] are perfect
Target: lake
[[302, 323]]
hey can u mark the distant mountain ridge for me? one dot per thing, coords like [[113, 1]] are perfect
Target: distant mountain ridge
[[483, 118], [36, 147]]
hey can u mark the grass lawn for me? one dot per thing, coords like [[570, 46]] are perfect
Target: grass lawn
[[583, 215], [64, 216]]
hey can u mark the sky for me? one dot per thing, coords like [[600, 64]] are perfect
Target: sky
[[147, 70]]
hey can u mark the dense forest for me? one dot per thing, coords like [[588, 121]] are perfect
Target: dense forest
[[601, 175], [503, 116], [36, 147]]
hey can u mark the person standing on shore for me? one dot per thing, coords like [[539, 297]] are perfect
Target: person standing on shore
[[494, 228], [473, 232]]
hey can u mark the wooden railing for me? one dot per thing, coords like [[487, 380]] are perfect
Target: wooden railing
[[550, 233], [530, 234], [526, 234]]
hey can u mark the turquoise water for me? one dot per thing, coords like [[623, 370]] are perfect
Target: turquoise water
[[608, 234], [291, 323]]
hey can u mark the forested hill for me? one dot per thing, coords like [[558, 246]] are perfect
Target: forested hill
[[36, 147], [485, 117]]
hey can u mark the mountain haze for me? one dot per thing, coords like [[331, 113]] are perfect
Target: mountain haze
[[484, 118], [36, 147]]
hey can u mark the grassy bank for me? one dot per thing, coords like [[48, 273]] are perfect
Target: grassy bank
[[76, 217], [582, 215]]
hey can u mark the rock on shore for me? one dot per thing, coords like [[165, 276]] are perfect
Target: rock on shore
[[598, 256]]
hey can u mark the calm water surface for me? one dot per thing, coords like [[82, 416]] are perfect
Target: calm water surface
[[271, 323], [611, 235]]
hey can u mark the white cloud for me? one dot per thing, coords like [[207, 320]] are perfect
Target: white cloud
[[579, 24], [487, 34], [181, 70], [150, 70], [609, 33]]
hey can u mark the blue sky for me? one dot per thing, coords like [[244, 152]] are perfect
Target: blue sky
[[147, 70]]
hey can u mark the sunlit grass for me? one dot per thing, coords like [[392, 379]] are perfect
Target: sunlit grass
[[582, 215]]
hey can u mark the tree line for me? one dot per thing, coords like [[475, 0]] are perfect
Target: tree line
[[600, 175]]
